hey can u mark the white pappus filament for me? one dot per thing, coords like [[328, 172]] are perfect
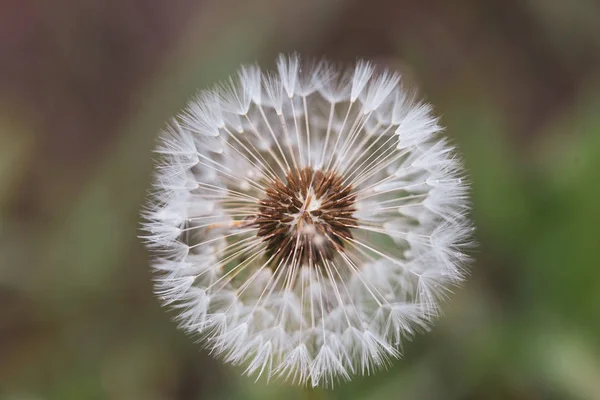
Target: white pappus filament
[[308, 220]]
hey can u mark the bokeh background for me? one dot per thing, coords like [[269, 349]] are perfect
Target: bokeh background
[[86, 85]]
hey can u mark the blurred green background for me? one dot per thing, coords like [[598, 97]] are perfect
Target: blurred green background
[[85, 86]]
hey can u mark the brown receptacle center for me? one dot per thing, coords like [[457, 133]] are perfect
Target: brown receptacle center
[[307, 218]]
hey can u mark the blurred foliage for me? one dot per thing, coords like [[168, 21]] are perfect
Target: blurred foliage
[[86, 86]]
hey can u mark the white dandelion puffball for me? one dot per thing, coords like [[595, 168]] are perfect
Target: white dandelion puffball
[[305, 222]]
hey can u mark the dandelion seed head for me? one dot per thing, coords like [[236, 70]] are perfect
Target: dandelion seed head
[[307, 221]]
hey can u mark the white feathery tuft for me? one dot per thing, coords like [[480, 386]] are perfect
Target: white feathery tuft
[[362, 74], [288, 68], [307, 221]]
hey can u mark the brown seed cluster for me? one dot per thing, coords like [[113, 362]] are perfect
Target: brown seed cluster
[[306, 218]]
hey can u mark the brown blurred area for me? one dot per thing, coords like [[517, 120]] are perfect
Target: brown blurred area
[[85, 87], [71, 70]]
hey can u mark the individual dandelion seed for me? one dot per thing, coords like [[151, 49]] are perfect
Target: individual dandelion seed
[[306, 221]]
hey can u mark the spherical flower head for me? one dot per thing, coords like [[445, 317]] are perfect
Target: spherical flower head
[[307, 221]]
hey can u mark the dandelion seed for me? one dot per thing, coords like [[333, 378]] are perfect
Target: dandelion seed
[[307, 221]]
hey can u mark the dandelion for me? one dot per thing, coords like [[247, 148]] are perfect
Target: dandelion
[[307, 221]]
